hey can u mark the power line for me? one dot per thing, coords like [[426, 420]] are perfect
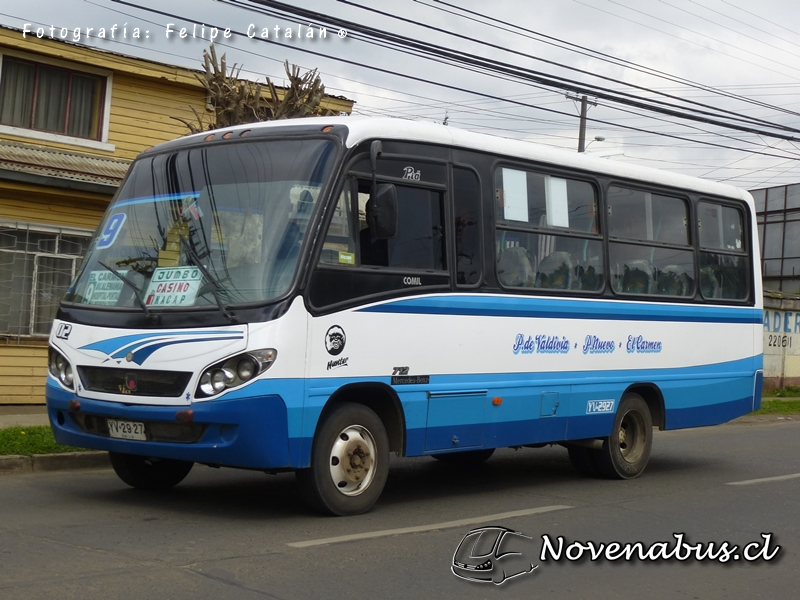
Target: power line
[[582, 50], [528, 74], [449, 86]]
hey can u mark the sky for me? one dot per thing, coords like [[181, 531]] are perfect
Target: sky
[[507, 67]]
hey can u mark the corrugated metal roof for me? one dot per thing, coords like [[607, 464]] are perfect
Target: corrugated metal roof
[[62, 164]]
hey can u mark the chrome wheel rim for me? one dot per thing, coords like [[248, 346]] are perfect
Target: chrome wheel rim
[[352, 460], [631, 436]]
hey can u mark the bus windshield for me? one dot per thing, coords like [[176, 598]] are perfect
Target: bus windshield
[[221, 223]]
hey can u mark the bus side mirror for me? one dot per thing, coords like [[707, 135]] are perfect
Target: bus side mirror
[[382, 213]]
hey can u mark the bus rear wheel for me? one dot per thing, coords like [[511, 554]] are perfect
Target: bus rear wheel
[[626, 451], [147, 473], [349, 462], [584, 460]]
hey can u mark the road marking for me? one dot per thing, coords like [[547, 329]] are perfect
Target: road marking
[[765, 479], [419, 528]]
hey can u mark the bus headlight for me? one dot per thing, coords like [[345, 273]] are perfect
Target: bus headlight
[[60, 368], [235, 371]]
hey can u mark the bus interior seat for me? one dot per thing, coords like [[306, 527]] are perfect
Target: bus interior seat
[[514, 268], [555, 271], [638, 277], [673, 281], [709, 285], [590, 275]]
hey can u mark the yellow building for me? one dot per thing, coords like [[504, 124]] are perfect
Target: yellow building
[[71, 120]]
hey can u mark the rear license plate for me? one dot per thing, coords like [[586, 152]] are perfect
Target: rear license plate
[[126, 430]]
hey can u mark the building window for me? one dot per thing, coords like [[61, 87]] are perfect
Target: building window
[[37, 265], [778, 215], [51, 99]]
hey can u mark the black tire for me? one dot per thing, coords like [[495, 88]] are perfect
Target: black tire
[[349, 462], [626, 451], [468, 457], [584, 460], [147, 473]]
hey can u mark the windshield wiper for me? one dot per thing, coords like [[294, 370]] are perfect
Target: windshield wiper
[[137, 291], [197, 262]]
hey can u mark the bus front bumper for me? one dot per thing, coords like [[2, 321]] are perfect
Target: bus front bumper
[[244, 431]]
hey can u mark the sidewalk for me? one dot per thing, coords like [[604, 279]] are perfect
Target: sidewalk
[[23, 416], [29, 416]]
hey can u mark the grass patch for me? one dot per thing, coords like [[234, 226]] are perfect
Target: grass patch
[[787, 392], [30, 440], [778, 407]]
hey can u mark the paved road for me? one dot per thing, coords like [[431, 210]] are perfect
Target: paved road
[[240, 535]]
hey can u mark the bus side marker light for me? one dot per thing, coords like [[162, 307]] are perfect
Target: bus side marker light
[[497, 401]]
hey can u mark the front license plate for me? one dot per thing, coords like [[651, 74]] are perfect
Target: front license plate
[[126, 430]]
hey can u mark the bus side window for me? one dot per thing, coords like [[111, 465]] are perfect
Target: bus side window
[[547, 234], [467, 199], [419, 243], [339, 247], [724, 262], [650, 249]]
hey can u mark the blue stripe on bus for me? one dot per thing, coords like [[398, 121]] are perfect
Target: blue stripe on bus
[[550, 308], [160, 198], [124, 343], [269, 424]]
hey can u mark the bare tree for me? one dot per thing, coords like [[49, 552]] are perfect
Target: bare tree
[[235, 101]]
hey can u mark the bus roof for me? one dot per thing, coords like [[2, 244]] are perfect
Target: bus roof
[[360, 129]]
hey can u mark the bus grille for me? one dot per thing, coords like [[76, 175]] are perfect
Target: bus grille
[[165, 384]]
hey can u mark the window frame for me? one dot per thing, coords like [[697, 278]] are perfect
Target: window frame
[[380, 282], [691, 245], [526, 227], [451, 202], [746, 251], [33, 260], [104, 108]]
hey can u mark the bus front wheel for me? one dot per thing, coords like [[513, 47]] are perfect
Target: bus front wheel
[[349, 462], [626, 451], [147, 473]]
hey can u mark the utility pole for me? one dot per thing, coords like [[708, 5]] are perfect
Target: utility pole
[[584, 107]]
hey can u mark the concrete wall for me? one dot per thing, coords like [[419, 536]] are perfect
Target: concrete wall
[[781, 342]]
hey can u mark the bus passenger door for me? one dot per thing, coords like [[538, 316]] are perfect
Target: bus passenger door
[[455, 419]]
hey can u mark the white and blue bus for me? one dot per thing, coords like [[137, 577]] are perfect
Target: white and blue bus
[[314, 295]]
